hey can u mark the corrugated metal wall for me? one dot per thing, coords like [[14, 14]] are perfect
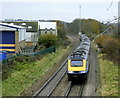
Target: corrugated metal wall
[[22, 33], [8, 41]]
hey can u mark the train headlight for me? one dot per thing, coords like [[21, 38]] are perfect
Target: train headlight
[[70, 71], [83, 71]]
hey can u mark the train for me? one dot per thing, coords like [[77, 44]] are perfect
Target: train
[[79, 61]]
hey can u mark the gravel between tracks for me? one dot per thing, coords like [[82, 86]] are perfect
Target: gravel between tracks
[[59, 89], [52, 84]]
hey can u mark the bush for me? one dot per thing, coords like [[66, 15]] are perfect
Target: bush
[[100, 40], [47, 40], [110, 46]]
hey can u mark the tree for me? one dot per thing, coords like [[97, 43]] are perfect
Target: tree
[[61, 29], [87, 26], [47, 40], [74, 27]]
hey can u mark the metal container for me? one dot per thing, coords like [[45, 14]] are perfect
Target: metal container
[[3, 55]]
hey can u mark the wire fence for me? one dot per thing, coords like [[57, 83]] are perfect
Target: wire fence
[[47, 50]]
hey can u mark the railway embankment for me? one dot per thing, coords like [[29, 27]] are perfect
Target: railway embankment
[[24, 75], [103, 75], [108, 55], [109, 77]]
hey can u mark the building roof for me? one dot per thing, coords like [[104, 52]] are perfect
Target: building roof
[[4, 28], [9, 27], [30, 26], [47, 25], [12, 25]]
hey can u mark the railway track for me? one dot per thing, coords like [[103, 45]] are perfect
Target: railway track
[[73, 90], [48, 88], [51, 84]]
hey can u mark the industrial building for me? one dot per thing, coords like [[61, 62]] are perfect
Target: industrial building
[[31, 34], [34, 29], [12, 37]]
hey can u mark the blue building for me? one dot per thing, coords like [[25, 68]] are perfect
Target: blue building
[[12, 37]]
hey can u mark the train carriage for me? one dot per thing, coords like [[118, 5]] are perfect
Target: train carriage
[[78, 63]]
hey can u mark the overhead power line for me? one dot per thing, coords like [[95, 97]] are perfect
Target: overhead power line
[[109, 6]]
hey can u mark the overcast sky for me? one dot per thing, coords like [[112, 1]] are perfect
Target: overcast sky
[[65, 10]]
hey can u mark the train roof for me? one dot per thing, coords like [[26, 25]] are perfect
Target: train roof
[[85, 43], [76, 57]]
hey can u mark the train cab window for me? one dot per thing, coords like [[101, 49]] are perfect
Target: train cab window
[[76, 63]]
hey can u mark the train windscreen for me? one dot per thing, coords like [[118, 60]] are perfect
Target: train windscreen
[[76, 63]]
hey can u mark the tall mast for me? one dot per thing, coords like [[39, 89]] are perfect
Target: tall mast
[[80, 20]]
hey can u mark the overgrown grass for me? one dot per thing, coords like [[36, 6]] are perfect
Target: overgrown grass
[[0, 86], [109, 77], [26, 73]]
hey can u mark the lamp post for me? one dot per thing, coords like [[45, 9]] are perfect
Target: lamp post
[[79, 31]]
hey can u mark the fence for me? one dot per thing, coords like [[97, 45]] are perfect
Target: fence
[[48, 50]]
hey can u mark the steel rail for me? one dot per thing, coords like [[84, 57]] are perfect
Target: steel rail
[[80, 91], [65, 95], [81, 88], [67, 92], [40, 90], [49, 94]]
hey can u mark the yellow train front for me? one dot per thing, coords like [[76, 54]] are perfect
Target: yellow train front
[[77, 67]]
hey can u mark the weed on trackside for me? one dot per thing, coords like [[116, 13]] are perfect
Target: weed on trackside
[[109, 77]]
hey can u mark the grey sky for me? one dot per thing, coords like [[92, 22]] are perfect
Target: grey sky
[[66, 11]]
